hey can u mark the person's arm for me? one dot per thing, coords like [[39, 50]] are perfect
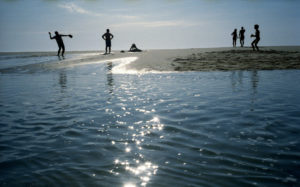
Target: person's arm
[[51, 38], [66, 35], [112, 36], [254, 35], [103, 36]]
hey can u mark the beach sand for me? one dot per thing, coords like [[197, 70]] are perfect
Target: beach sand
[[195, 59], [213, 59]]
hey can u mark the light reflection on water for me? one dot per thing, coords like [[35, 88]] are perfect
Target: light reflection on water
[[88, 126], [140, 168]]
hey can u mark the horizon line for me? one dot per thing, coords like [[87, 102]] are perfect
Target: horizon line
[[76, 51]]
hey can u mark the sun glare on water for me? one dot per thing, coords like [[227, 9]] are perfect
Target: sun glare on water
[[140, 168], [121, 67], [129, 185]]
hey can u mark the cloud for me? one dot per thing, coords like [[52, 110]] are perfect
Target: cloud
[[128, 21], [73, 8], [155, 24]]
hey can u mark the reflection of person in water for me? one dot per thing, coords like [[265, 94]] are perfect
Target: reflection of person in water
[[133, 48], [234, 37], [107, 37], [110, 79], [257, 38], [242, 36], [62, 79], [60, 42]]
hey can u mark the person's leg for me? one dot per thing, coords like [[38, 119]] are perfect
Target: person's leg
[[106, 49], [108, 44], [256, 45], [252, 44], [59, 48], [63, 50]]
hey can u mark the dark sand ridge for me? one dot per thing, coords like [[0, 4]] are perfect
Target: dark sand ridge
[[238, 60]]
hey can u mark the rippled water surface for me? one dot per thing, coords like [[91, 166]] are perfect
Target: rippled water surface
[[87, 126]]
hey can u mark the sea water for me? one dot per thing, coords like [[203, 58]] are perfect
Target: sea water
[[91, 124]]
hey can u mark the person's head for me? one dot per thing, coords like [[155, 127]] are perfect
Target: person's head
[[56, 33], [242, 28], [235, 30], [107, 30], [256, 26]]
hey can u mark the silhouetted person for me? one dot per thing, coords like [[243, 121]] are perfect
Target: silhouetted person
[[242, 36], [257, 38], [107, 37], [133, 48], [234, 37], [60, 42]]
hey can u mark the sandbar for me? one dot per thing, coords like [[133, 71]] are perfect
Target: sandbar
[[218, 59]]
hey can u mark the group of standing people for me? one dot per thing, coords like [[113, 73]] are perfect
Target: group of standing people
[[61, 47], [242, 37]]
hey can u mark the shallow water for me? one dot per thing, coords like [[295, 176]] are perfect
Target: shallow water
[[87, 126]]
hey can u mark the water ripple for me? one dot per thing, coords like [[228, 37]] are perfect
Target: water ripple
[[89, 127]]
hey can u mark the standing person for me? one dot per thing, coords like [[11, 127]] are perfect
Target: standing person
[[234, 37], [59, 41], [107, 37], [242, 36], [257, 38]]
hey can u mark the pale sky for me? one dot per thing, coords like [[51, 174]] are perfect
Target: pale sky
[[151, 24]]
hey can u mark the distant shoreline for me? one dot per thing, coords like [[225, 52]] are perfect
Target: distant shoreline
[[118, 50]]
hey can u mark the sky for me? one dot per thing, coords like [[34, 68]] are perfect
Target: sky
[[150, 24]]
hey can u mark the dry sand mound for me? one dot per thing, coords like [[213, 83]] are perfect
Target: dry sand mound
[[238, 60]]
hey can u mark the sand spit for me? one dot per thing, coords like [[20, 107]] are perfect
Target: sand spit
[[218, 59]]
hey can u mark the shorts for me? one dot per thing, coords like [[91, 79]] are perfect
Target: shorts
[[108, 43]]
